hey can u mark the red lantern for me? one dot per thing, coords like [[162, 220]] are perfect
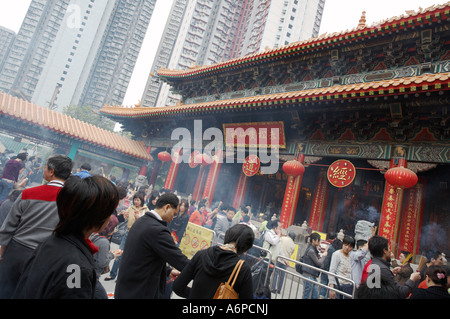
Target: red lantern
[[164, 156], [203, 159], [293, 168], [401, 177]]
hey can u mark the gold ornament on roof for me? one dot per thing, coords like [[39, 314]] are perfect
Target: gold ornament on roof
[[362, 21]]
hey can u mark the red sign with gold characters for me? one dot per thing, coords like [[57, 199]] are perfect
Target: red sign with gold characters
[[251, 165], [341, 173]]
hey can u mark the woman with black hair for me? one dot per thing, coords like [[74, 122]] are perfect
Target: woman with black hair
[[436, 279], [63, 266], [212, 266], [152, 200], [311, 257], [179, 223], [341, 264]]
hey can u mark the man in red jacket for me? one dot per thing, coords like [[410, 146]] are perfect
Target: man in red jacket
[[32, 219]]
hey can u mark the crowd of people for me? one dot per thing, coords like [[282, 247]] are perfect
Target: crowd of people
[[369, 270], [56, 240]]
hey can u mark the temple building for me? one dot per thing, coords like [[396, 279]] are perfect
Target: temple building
[[55, 133], [356, 123]]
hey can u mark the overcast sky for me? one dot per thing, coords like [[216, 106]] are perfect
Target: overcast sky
[[339, 15]]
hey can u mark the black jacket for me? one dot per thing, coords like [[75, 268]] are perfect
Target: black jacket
[[209, 268], [179, 224], [433, 292], [149, 246], [388, 277], [61, 267]]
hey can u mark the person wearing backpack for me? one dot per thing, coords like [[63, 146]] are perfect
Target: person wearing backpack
[[312, 258], [104, 255]]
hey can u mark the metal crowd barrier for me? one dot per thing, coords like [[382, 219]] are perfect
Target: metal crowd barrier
[[259, 260], [292, 287]]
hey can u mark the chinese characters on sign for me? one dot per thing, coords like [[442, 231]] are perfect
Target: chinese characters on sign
[[341, 173], [195, 238], [388, 223], [251, 165], [411, 218]]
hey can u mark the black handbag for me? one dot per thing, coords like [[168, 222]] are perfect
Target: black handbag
[[116, 238]]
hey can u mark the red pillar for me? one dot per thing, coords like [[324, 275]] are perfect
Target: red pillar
[[143, 170], [173, 170], [291, 194], [157, 165], [241, 188], [213, 175], [319, 203], [196, 195]]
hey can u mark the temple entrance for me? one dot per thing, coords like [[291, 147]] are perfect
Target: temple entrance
[[436, 215], [362, 200]]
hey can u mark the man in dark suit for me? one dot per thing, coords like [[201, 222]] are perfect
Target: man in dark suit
[[149, 246]]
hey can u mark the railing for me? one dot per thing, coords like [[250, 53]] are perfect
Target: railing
[[291, 281], [259, 260]]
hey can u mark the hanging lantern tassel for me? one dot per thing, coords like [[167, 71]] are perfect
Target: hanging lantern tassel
[[401, 177]]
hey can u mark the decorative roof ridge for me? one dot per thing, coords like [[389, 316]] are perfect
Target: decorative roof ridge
[[67, 125], [342, 91], [198, 70]]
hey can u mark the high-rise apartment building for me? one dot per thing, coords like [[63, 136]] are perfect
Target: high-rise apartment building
[[165, 51], [7, 37], [275, 23], [204, 32], [29, 52], [78, 52]]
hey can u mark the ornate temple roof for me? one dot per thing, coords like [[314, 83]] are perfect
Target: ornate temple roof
[[411, 19], [407, 85], [62, 124]]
